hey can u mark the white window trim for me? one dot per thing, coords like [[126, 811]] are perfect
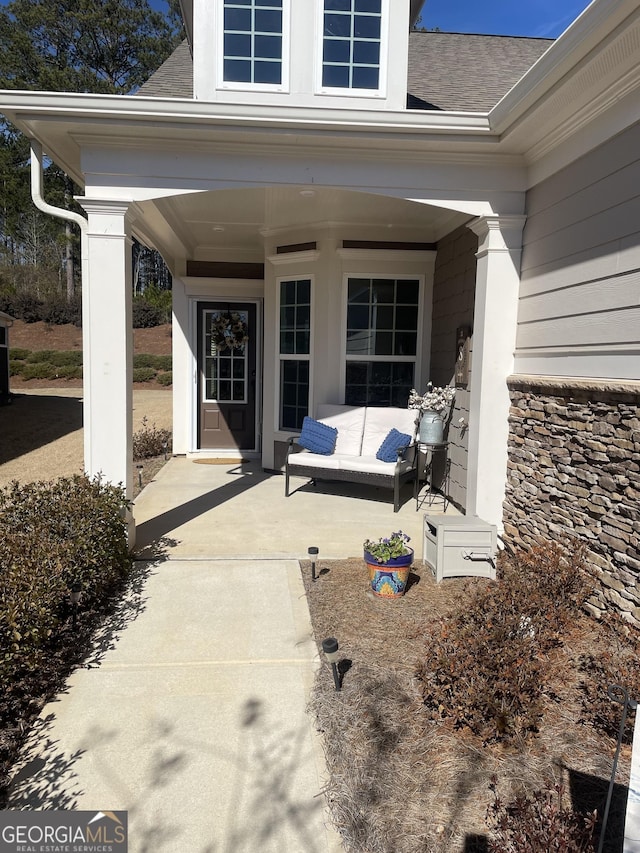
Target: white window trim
[[400, 359], [280, 357], [233, 86], [381, 91]]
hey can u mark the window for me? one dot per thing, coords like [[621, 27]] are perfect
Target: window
[[225, 367], [295, 348], [351, 44], [252, 42], [382, 338]]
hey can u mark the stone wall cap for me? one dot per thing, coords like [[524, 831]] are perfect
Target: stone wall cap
[[526, 381]]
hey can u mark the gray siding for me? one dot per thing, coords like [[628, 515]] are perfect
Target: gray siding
[[453, 306], [579, 312]]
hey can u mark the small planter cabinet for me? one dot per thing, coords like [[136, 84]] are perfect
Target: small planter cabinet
[[459, 546]]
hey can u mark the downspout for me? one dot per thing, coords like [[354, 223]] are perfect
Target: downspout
[[37, 172]]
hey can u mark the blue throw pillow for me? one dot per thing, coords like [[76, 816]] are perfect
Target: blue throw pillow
[[318, 437], [388, 450]]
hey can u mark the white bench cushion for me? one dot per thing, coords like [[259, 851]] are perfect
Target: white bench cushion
[[378, 422], [349, 421], [346, 462], [371, 465], [313, 460]]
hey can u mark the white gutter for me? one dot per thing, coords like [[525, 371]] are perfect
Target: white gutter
[[37, 171], [24, 107]]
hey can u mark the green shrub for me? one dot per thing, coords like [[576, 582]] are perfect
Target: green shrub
[[165, 378], [54, 536], [150, 441], [160, 299], [69, 371], [42, 370], [57, 311], [157, 362], [26, 306], [19, 354], [144, 315], [143, 374], [486, 669], [42, 355], [67, 357]]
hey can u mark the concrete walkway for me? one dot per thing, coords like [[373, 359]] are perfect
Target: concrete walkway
[[191, 714]]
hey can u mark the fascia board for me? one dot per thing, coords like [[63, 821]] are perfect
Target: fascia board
[[23, 108], [591, 28]]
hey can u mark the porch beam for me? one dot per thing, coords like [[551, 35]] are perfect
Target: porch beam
[[494, 340]]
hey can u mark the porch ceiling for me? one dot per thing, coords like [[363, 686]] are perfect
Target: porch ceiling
[[211, 225]]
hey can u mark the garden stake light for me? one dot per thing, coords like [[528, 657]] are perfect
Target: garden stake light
[[621, 696], [165, 445], [74, 595], [330, 649], [313, 556], [140, 467]]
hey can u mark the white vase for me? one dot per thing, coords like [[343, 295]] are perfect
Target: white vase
[[431, 430]]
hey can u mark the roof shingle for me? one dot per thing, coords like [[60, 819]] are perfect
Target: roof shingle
[[174, 78], [447, 71], [465, 72]]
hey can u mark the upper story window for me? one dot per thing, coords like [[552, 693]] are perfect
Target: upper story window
[[351, 44], [253, 42]]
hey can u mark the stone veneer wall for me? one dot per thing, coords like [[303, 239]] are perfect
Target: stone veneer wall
[[574, 468]]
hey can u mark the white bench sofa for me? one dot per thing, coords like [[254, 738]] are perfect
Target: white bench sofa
[[361, 431]]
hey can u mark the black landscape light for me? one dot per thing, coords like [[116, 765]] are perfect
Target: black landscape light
[[313, 556], [74, 596], [140, 467], [330, 649], [165, 447]]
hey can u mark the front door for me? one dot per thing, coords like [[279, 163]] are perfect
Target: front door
[[227, 342]]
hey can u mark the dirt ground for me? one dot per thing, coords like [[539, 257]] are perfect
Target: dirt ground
[[41, 435], [40, 336]]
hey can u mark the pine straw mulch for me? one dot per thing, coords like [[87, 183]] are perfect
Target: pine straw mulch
[[402, 783]]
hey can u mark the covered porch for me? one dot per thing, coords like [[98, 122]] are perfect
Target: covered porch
[[193, 510], [247, 216]]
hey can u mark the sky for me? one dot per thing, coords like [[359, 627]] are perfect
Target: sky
[[537, 18]]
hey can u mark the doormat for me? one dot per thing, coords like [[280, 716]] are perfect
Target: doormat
[[221, 461]]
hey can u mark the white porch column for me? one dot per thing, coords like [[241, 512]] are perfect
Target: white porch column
[[494, 340], [108, 344]]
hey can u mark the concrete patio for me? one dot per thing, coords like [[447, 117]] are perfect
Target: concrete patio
[[199, 510]]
